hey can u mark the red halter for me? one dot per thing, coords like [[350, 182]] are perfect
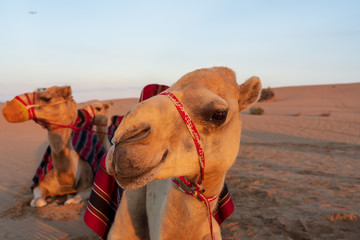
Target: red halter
[[92, 110], [30, 107], [195, 190], [98, 124]]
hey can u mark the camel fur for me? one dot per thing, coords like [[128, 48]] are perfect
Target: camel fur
[[70, 175], [153, 145]]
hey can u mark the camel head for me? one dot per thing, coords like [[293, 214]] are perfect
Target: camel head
[[100, 111], [54, 105], [153, 142]]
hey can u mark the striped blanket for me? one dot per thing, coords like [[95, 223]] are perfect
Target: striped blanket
[[103, 202], [85, 143], [115, 122], [106, 194], [151, 90]]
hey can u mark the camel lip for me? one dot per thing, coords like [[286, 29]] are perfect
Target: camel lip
[[137, 181]]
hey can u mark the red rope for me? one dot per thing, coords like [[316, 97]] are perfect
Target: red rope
[[71, 126], [92, 109], [195, 190], [193, 132]]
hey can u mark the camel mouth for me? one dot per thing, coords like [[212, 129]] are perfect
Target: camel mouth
[[15, 112], [140, 180]]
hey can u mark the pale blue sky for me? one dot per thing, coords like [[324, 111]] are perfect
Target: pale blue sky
[[111, 49]]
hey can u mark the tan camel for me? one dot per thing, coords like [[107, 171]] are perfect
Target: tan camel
[[70, 174], [153, 145], [101, 116]]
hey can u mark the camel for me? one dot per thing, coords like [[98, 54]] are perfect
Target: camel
[[55, 109], [101, 115], [172, 178]]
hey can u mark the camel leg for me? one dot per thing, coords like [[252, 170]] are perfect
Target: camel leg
[[40, 194], [80, 196], [84, 181]]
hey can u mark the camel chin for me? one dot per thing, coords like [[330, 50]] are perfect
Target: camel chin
[[136, 180], [139, 181]]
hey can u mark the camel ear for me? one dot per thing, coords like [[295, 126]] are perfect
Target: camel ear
[[107, 105], [249, 92], [66, 92]]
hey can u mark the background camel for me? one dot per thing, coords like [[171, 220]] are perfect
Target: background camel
[[153, 143], [55, 109], [101, 116]]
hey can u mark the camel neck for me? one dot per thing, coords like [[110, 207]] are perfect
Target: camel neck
[[187, 207], [103, 136], [213, 183], [102, 131], [62, 152]]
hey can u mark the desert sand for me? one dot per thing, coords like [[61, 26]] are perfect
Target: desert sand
[[296, 175]]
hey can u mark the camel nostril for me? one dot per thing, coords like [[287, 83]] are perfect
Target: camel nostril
[[136, 135]]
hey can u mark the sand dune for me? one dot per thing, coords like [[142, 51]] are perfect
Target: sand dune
[[296, 176]]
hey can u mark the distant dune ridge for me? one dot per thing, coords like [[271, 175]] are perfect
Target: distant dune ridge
[[296, 176]]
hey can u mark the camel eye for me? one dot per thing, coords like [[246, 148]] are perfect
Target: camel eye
[[45, 96], [98, 109], [46, 99], [219, 117]]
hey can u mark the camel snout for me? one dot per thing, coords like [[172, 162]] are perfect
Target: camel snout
[[15, 112], [128, 149], [135, 134], [119, 160]]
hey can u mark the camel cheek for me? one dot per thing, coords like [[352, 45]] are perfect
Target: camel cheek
[[187, 145]]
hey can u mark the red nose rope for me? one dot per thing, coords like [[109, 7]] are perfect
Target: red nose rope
[[196, 190], [30, 105]]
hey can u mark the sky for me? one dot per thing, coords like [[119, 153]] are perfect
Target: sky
[[111, 49]]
